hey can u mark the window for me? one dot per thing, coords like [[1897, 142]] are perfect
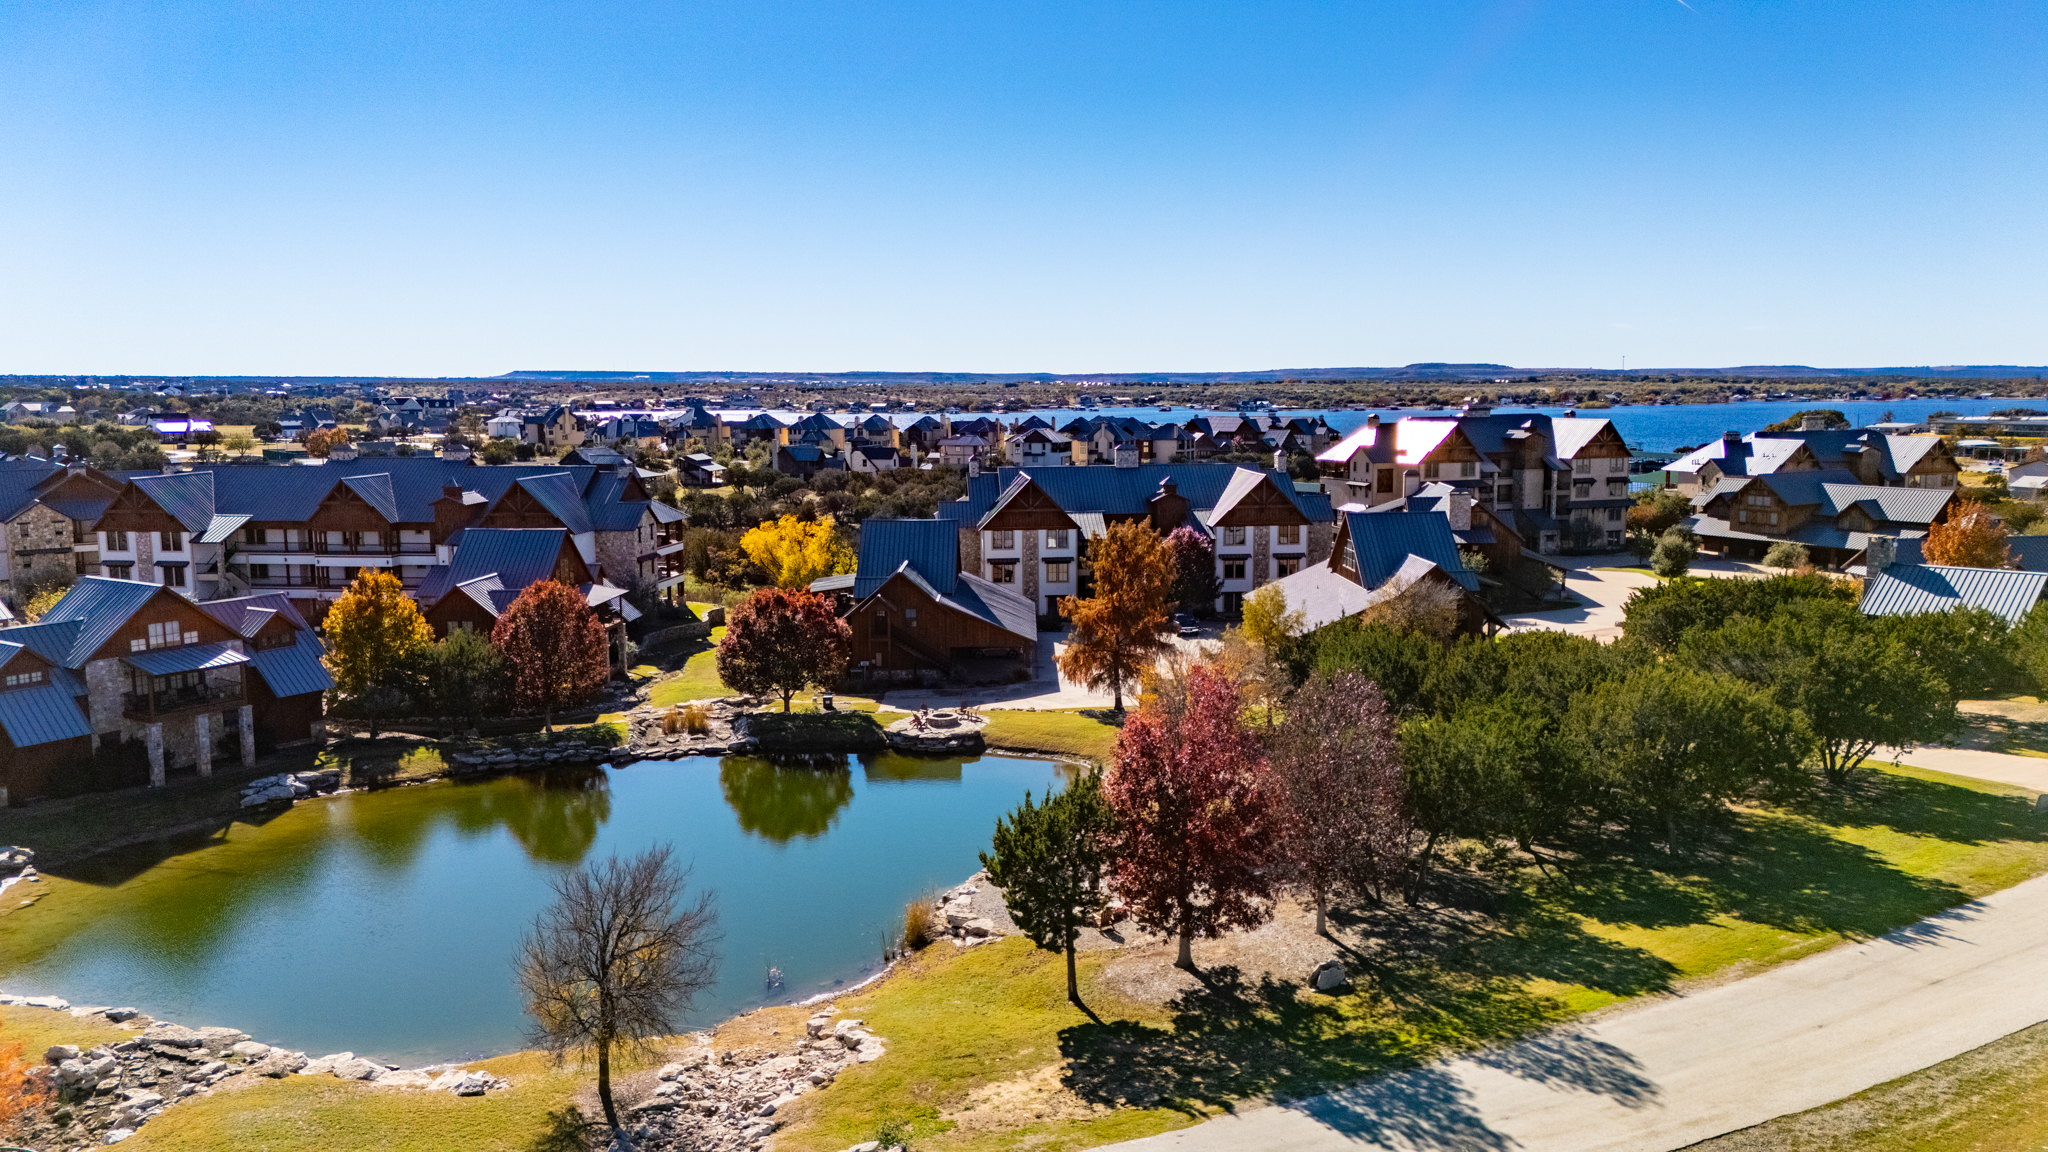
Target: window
[[1003, 572], [1056, 539], [259, 571], [24, 679], [1468, 470], [174, 541], [81, 532], [1288, 565], [168, 635], [1386, 479], [1614, 515], [1505, 494], [1058, 571], [1290, 534], [1429, 470], [910, 617], [120, 571], [252, 535], [1582, 467], [175, 577], [1233, 569], [117, 541], [1003, 538], [1233, 536], [1617, 464], [289, 637]]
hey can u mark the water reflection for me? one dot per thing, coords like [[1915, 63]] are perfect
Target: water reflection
[[897, 768], [780, 804], [554, 815]]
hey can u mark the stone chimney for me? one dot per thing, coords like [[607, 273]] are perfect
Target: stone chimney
[[1372, 420], [1879, 555], [973, 464], [1279, 459], [1459, 509], [1731, 437], [1126, 455], [1813, 422]]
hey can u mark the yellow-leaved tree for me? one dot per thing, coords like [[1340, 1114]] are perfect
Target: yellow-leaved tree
[[795, 552], [373, 632]]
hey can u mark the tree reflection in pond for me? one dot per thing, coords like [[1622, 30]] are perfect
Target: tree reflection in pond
[[897, 768], [554, 815], [781, 804]]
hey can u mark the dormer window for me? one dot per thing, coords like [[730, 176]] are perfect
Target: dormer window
[[24, 679], [164, 635]]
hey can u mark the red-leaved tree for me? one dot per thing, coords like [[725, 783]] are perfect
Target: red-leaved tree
[[1187, 785], [558, 653], [1341, 820], [779, 640], [1193, 557]]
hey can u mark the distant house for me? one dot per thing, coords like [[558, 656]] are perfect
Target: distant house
[[1039, 448], [1379, 556], [915, 611], [180, 429], [875, 458], [47, 513], [698, 470], [503, 426], [805, 460], [959, 451], [553, 429], [1828, 511]]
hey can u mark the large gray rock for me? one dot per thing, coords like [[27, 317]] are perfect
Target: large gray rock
[[59, 1053], [220, 1039], [176, 1035], [358, 1069], [249, 1050], [1329, 976]]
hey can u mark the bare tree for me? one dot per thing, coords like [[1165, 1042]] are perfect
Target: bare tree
[[612, 961]]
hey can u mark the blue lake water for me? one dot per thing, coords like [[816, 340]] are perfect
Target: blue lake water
[[385, 923]]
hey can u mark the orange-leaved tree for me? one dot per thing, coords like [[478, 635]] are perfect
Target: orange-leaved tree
[[1971, 538], [1120, 631], [323, 441], [373, 632], [1194, 820], [21, 1093], [558, 652]]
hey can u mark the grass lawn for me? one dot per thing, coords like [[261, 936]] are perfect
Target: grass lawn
[[1077, 733]]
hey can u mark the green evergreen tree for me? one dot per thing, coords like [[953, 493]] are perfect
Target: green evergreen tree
[[1049, 860]]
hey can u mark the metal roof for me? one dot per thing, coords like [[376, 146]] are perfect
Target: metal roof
[[1124, 491], [41, 715], [223, 527], [295, 669], [843, 582], [1381, 542], [376, 491], [97, 607], [1911, 589], [187, 497], [559, 493], [516, 556], [932, 547], [190, 658]]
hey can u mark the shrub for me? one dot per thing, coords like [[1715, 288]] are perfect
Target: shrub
[[918, 915], [1786, 555], [1674, 554]]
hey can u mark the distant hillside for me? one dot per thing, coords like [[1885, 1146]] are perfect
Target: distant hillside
[[1423, 371]]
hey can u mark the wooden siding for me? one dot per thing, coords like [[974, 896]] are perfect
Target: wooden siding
[[933, 641], [28, 773], [163, 607]]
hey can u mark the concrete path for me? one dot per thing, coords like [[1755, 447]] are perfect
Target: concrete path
[[1690, 1068], [1601, 592], [2030, 772]]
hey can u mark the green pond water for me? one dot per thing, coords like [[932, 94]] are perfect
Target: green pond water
[[385, 923]]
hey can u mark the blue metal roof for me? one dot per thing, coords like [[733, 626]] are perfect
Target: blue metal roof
[[1125, 491], [99, 607], [187, 497], [294, 670], [189, 658], [932, 547], [516, 556], [1911, 589], [377, 493], [40, 715], [560, 494], [1382, 541]]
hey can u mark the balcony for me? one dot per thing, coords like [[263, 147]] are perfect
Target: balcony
[[159, 704], [323, 548]]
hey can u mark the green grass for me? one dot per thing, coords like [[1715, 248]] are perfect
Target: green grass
[[1082, 733], [697, 680]]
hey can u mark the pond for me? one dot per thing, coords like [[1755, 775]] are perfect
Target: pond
[[385, 923]]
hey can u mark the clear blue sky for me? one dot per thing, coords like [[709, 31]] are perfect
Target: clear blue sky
[[459, 187]]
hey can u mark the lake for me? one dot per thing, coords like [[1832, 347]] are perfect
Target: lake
[[385, 923]]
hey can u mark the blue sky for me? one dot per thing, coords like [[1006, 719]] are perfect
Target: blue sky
[[456, 187]]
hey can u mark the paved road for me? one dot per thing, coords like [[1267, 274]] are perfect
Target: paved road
[[1690, 1068]]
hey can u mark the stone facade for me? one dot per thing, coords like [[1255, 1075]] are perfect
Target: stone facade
[[970, 550], [1320, 539], [619, 552], [1262, 555], [106, 680], [1030, 566], [39, 540]]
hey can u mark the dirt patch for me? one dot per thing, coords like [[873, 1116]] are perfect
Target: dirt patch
[[1028, 1099], [1286, 946]]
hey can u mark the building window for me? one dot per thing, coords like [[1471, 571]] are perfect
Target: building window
[[1233, 536], [1058, 571], [117, 541], [1467, 470], [1290, 534], [1430, 470], [1003, 538], [24, 679], [1056, 539], [120, 571], [259, 571], [1287, 565], [1583, 467], [175, 577], [1617, 464], [1233, 569], [166, 635], [174, 541], [1004, 572], [290, 638], [1386, 479], [1614, 515], [910, 617]]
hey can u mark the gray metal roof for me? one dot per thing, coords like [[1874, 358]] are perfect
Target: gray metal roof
[[296, 669], [187, 497], [1911, 589], [96, 607], [932, 547], [377, 493], [516, 556], [190, 658], [840, 583]]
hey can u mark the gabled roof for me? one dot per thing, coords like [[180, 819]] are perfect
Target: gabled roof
[[1911, 589], [43, 714], [94, 608], [559, 494], [187, 497], [1241, 485], [187, 658], [376, 492], [1124, 491], [976, 597], [931, 547], [515, 557], [1381, 543], [1569, 434]]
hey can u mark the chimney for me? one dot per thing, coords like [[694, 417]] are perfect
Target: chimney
[[1126, 455], [451, 492], [1879, 555], [1731, 437], [1372, 420], [1279, 459], [1459, 510], [973, 464]]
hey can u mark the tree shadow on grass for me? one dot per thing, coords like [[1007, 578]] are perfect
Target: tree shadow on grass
[[568, 1131], [1918, 807]]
